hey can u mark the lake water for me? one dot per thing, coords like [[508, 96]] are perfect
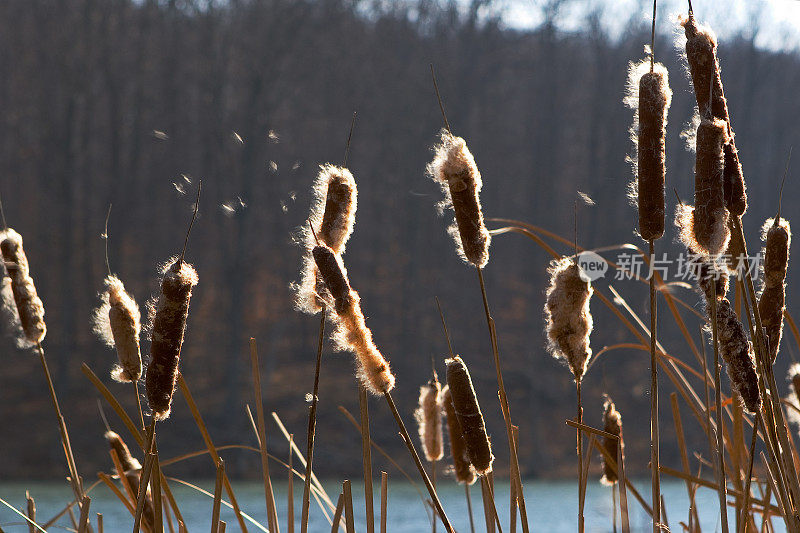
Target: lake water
[[551, 506]]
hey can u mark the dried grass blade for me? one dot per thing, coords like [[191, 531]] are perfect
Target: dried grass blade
[[217, 496], [272, 515], [384, 499]]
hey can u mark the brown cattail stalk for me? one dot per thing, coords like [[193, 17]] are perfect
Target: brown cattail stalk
[[705, 227], [352, 333], [568, 319], [332, 217], [777, 235], [454, 168], [470, 418], [168, 327], [429, 420], [462, 468], [117, 323], [701, 56], [650, 95], [612, 423], [19, 292]]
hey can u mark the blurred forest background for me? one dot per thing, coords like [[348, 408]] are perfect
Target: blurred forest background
[[114, 101]]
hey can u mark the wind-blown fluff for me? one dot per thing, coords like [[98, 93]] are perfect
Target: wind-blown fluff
[[429, 420], [462, 468], [736, 352], [333, 215], [351, 331], [612, 423], [454, 168], [650, 96], [168, 327], [568, 319], [19, 294], [118, 323], [777, 235], [468, 412]]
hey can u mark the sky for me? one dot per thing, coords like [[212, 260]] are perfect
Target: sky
[[776, 22]]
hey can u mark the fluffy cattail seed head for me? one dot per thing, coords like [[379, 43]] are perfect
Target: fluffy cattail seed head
[[128, 461], [118, 322], [612, 423], [772, 302], [735, 351], [429, 420], [733, 181], [568, 319], [332, 273], [333, 215], [650, 95], [462, 468], [19, 292], [454, 168], [168, 326], [709, 218], [712, 277], [468, 412]]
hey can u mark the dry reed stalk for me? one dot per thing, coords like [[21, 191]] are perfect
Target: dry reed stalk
[[384, 500], [272, 515], [720, 449], [676, 415], [290, 490], [312, 422], [332, 217], [366, 457], [217, 496], [117, 322], [31, 510], [470, 418], [348, 507], [352, 333], [454, 169], [337, 515], [100, 528], [83, 521], [777, 235]]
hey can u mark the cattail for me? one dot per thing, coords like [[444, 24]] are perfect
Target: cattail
[[454, 168], [712, 277], [352, 333], [19, 294], [429, 420], [462, 468], [705, 226], [128, 461], [735, 258], [737, 354], [612, 423], [701, 57], [333, 213], [117, 323], [772, 303], [568, 319], [168, 326], [650, 95], [468, 413]]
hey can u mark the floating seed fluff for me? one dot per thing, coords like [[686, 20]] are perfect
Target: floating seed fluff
[[772, 303], [650, 95], [462, 468], [333, 212], [429, 420], [352, 333], [468, 412], [168, 326], [118, 322], [19, 291], [568, 319], [612, 423], [454, 168]]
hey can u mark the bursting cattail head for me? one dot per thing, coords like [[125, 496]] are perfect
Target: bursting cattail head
[[736, 352], [568, 319], [24, 306], [712, 276], [612, 423], [701, 57], [351, 332], [168, 325], [468, 412], [649, 94], [733, 180], [429, 420], [333, 215], [117, 323], [462, 467], [772, 302], [128, 461], [454, 168]]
